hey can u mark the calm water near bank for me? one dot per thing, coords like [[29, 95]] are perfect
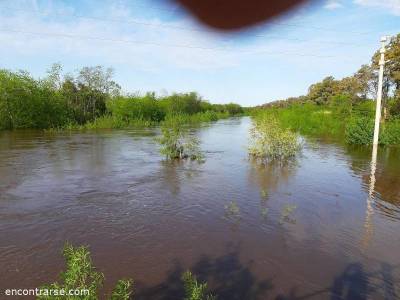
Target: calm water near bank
[[151, 220]]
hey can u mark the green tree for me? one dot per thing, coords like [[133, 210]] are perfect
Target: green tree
[[320, 92]]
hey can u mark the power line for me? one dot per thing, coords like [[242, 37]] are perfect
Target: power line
[[229, 49], [166, 26]]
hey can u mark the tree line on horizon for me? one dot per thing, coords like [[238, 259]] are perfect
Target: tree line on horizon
[[360, 87], [91, 96]]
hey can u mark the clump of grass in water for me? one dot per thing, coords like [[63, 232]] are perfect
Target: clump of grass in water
[[270, 142], [286, 213], [195, 290], [81, 274], [176, 141]]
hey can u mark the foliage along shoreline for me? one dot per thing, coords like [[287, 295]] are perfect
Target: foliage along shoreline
[[345, 109], [91, 99]]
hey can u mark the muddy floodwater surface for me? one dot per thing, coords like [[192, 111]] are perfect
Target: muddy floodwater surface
[[318, 228]]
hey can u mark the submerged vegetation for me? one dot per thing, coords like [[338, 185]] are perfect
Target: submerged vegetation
[[92, 99], [82, 276], [232, 209], [177, 142], [287, 212], [269, 141]]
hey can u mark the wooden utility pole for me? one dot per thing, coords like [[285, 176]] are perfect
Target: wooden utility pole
[[380, 88]]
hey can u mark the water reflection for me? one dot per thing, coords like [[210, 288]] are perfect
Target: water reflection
[[354, 283], [176, 173], [368, 225], [269, 177], [227, 277], [381, 176]]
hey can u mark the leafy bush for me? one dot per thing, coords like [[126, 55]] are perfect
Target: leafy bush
[[360, 131], [136, 107], [390, 134], [270, 141], [81, 274], [176, 141], [365, 109], [26, 103], [308, 119], [394, 106], [341, 104], [195, 290]]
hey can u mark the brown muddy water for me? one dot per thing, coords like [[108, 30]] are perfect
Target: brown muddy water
[[151, 220]]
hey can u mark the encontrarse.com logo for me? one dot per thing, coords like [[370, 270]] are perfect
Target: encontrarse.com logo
[[46, 292]]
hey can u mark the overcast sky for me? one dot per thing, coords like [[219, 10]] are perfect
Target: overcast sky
[[156, 46]]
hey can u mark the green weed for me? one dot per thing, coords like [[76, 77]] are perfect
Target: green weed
[[81, 274], [195, 290]]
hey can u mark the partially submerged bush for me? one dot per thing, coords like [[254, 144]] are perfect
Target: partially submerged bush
[[360, 131], [195, 290], [82, 275], [270, 141], [176, 141], [390, 134]]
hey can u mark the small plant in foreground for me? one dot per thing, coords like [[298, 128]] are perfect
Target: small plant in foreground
[[271, 142], [82, 275], [176, 141], [195, 290]]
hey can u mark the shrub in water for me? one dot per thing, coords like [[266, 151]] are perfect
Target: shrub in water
[[270, 141], [360, 131], [390, 134], [176, 141]]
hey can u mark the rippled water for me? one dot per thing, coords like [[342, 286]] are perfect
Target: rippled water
[[151, 220]]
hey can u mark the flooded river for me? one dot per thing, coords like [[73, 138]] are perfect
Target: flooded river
[[315, 229]]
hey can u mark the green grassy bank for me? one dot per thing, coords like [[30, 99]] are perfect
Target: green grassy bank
[[353, 124], [92, 100]]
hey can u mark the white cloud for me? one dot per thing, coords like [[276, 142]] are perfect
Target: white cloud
[[218, 75], [146, 47], [59, 32], [333, 4], [393, 6]]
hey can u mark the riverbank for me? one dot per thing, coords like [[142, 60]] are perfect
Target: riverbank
[[353, 124]]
